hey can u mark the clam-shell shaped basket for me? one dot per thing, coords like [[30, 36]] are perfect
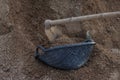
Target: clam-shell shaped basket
[[70, 56]]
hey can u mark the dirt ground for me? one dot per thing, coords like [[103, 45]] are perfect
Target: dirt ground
[[22, 29]]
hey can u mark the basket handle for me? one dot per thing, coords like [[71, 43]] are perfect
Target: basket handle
[[37, 54]]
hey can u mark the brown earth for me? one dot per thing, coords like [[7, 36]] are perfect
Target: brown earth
[[22, 30]]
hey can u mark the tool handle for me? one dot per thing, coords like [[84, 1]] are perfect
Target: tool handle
[[49, 23]]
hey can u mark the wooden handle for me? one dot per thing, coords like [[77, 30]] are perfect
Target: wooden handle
[[49, 23]]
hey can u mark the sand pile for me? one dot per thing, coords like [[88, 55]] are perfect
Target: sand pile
[[24, 30]]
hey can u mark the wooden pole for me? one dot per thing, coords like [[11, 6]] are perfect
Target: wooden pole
[[49, 23]]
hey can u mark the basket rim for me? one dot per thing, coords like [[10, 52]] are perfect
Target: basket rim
[[70, 45]]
